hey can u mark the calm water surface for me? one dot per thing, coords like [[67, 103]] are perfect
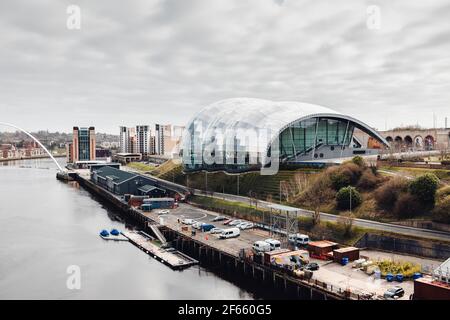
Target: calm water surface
[[47, 225]]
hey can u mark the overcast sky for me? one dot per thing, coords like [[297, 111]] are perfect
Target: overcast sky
[[138, 62]]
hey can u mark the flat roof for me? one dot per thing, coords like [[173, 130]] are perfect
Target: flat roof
[[346, 249], [148, 187], [128, 154], [117, 175], [322, 243], [160, 199]]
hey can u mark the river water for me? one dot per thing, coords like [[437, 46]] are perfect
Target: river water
[[47, 225]]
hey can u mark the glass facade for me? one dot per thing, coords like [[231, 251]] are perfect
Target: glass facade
[[84, 144], [303, 136], [242, 133]]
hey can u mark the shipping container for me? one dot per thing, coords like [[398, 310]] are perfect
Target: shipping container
[[351, 253], [269, 255], [320, 249]]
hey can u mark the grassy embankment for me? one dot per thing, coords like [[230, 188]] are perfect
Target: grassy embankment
[[141, 166], [442, 174], [251, 183]]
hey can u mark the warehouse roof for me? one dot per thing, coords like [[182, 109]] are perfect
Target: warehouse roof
[[118, 176]]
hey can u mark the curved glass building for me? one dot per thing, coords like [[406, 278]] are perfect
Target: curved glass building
[[242, 134]]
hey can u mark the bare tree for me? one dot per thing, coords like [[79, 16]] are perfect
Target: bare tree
[[346, 220], [317, 194]]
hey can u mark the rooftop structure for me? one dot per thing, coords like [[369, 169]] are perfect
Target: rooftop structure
[[244, 133]]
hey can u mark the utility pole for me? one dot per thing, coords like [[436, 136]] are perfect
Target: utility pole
[[280, 191], [350, 199], [238, 184]]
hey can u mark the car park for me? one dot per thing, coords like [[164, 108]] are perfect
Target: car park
[[394, 293], [274, 244], [230, 233]]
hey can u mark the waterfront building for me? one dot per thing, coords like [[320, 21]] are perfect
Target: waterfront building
[[120, 182], [83, 144], [243, 133]]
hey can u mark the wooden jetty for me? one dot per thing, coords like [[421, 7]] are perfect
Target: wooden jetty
[[169, 256]]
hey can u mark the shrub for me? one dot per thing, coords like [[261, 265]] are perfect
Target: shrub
[[407, 206], [348, 197], [443, 192], [345, 175], [386, 196], [406, 268], [368, 180], [424, 188], [441, 212], [445, 162], [359, 161]]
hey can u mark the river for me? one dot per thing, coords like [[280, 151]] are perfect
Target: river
[[47, 225]]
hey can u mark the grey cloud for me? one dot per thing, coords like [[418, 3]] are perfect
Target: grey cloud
[[161, 61]]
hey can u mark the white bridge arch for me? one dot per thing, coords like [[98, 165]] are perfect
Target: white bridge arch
[[37, 141]]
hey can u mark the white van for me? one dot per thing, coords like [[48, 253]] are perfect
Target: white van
[[274, 244], [230, 233], [259, 247], [298, 239]]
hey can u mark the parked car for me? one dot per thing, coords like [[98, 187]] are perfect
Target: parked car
[[312, 266], [188, 221], [394, 293], [215, 230], [274, 244], [230, 233], [246, 225], [198, 225], [228, 221], [206, 227], [219, 218], [259, 247], [298, 239], [235, 222], [163, 212]]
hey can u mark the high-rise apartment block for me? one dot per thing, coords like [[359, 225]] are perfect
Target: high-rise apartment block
[[163, 140], [143, 140]]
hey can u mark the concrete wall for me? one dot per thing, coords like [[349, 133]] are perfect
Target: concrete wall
[[423, 248]]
